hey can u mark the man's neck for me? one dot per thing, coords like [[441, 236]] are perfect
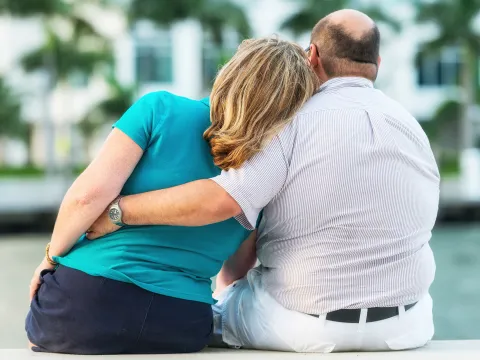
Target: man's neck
[[355, 81]]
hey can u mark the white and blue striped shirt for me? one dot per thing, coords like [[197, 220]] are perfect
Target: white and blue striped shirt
[[350, 192]]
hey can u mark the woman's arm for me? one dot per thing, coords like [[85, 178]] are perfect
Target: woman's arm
[[94, 190], [238, 265], [89, 195]]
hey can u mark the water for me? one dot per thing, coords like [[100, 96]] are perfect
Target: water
[[456, 291]]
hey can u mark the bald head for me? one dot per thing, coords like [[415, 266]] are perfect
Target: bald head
[[353, 22], [348, 42]]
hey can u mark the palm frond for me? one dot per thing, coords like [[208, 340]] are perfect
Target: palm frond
[[163, 12], [380, 16], [109, 109], [27, 8], [215, 16], [305, 19], [310, 13], [82, 27], [64, 58], [11, 122], [301, 22]]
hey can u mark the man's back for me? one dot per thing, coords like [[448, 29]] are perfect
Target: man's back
[[351, 226]]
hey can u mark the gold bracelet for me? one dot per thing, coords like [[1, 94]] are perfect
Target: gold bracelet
[[47, 256]]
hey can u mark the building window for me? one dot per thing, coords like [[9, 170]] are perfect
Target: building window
[[439, 69], [214, 56], [153, 58]]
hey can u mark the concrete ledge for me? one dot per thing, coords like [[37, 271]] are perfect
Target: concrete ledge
[[436, 350]]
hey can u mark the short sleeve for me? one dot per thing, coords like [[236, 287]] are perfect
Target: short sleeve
[[257, 182], [138, 121]]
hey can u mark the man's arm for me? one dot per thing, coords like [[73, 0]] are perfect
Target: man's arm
[[240, 193], [237, 265], [197, 203]]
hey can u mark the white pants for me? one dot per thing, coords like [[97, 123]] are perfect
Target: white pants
[[246, 316]]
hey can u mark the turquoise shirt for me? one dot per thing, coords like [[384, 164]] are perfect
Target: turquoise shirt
[[168, 260]]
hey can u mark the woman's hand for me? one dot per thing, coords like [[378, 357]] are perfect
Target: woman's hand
[[36, 280], [102, 226]]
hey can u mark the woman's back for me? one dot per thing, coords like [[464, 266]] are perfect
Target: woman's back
[[173, 261]]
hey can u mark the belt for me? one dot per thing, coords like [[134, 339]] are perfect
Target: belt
[[352, 316]]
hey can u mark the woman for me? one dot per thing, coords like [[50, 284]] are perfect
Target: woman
[[147, 289]]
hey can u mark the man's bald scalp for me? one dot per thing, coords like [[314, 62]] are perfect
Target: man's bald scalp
[[348, 43]]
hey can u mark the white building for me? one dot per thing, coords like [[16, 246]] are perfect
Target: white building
[[182, 60]]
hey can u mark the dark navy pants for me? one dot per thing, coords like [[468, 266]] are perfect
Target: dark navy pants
[[76, 313]]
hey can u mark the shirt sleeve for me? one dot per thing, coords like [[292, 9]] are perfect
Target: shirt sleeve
[[257, 182], [138, 121]]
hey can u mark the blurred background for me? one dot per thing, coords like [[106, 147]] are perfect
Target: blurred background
[[70, 68]]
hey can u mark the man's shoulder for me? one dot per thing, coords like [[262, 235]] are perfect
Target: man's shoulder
[[326, 101], [352, 100]]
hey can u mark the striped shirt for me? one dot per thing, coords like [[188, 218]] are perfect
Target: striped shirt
[[350, 192]]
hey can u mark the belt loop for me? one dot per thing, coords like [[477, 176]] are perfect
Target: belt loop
[[362, 321], [401, 312]]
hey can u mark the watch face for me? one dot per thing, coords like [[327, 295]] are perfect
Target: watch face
[[114, 214]]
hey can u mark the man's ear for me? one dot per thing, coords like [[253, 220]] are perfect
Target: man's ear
[[313, 56], [379, 61]]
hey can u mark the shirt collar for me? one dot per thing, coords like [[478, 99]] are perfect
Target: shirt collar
[[346, 82], [206, 101]]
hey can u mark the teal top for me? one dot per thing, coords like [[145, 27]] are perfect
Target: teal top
[[168, 260]]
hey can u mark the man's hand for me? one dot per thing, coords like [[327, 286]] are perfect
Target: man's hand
[[102, 226], [36, 280]]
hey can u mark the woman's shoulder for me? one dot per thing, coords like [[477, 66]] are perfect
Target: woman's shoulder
[[166, 99]]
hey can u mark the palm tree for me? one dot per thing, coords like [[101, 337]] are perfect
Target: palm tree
[[11, 122], [442, 131], [27, 9], [213, 15], [60, 56], [313, 10], [454, 20]]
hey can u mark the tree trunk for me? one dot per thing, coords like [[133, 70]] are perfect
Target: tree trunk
[[468, 84], [2, 151], [48, 126], [29, 144]]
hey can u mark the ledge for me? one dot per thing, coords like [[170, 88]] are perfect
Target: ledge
[[436, 350]]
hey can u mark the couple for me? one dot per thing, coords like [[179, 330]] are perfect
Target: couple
[[338, 180]]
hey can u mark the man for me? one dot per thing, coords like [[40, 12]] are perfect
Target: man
[[349, 192]]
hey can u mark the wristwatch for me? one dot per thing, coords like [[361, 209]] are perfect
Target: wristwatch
[[115, 212]]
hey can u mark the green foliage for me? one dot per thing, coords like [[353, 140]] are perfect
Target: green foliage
[[64, 57], [214, 15], [454, 19], [446, 118], [108, 110], [450, 111], [26, 8], [11, 123], [449, 165], [455, 22], [24, 171], [164, 12], [311, 12]]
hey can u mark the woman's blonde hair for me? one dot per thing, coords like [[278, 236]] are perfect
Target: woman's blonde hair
[[254, 96]]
